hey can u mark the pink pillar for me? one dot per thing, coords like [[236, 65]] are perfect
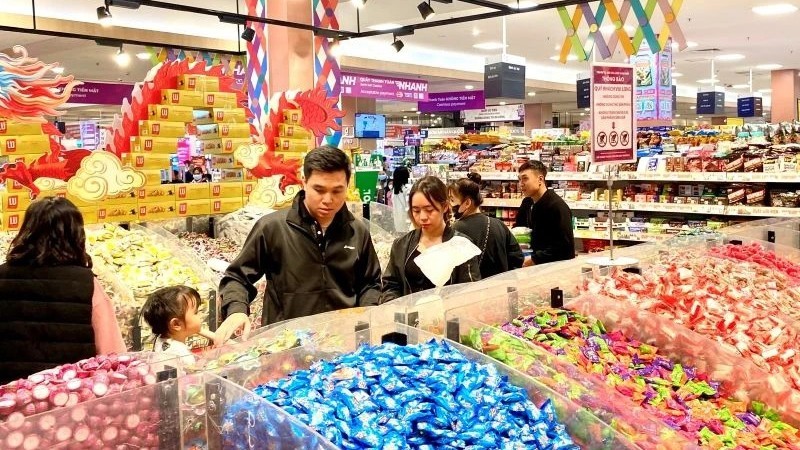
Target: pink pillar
[[536, 114], [291, 51], [785, 95]]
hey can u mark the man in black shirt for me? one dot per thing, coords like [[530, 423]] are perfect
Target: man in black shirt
[[549, 219]]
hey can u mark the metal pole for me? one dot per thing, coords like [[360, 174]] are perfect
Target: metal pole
[[610, 213]]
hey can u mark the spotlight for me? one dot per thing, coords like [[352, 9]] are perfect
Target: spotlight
[[335, 49], [248, 34], [398, 44], [359, 3], [425, 10], [104, 16], [122, 58]]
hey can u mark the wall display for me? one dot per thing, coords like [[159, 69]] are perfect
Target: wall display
[[613, 119], [370, 126], [452, 101], [383, 88], [500, 113]]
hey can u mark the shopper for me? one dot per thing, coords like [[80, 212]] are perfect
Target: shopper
[[549, 219], [316, 256], [52, 309], [197, 176], [401, 188], [173, 315], [187, 171], [500, 252], [430, 215]]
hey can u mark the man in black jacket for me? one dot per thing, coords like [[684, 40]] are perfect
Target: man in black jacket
[[549, 219], [316, 256]]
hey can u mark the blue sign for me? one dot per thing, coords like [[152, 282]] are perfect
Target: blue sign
[[584, 92], [710, 102], [749, 107]]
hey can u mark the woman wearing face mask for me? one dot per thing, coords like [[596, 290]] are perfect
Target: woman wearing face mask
[[430, 214], [500, 252], [197, 175]]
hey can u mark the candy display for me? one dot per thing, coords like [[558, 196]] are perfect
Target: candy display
[[681, 396], [758, 254], [743, 304], [237, 225], [94, 403], [415, 396]]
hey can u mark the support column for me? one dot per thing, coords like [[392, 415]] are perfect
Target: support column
[[327, 71], [290, 50], [785, 94], [536, 114], [257, 75]]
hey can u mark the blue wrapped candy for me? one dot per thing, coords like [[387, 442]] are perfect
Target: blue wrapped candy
[[420, 397]]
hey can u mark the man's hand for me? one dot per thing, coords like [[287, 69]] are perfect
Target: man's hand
[[229, 326], [528, 262]]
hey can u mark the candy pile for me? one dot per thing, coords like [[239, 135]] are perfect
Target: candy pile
[[237, 225], [414, 397], [680, 396], [142, 265], [734, 302], [125, 419], [225, 250], [251, 350], [756, 253]]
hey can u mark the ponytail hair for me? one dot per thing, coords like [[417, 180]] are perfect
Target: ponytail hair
[[469, 188]]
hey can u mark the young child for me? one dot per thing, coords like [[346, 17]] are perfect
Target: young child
[[172, 313]]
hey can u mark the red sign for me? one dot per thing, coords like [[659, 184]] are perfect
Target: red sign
[[11, 145]]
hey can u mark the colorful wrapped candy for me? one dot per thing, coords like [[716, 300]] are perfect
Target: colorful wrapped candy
[[680, 396], [413, 397], [756, 253]]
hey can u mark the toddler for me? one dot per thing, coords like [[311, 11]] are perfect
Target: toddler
[[172, 313]]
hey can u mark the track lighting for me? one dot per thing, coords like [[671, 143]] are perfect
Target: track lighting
[[122, 58], [104, 16], [359, 3], [425, 10], [248, 34], [230, 18], [397, 44]]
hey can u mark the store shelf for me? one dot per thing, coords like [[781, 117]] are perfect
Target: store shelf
[[708, 177], [622, 236], [502, 202]]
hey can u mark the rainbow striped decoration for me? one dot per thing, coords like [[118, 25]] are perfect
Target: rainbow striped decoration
[[158, 55], [327, 72], [258, 65], [643, 15]]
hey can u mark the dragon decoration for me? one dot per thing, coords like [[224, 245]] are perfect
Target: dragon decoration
[[28, 95]]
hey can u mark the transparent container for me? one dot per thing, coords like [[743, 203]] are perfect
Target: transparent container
[[586, 429], [237, 225]]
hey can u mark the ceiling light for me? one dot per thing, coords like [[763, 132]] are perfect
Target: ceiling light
[[397, 44], [531, 94], [425, 10], [57, 70], [413, 109], [476, 32], [488, 46], [676, 74], [570, 57], [248, 34], [769, 66], [405, 117], [741, 86], [234, 19], [122, 58], [708, 81], [469, 87], [143, 56], [677, 115], [692, 107], [130, 4], [730, 57], [765, 91], [773, 10], [433, 115], [104, 16], [359, 3], [384, 26], [587, 109], [502, 103]]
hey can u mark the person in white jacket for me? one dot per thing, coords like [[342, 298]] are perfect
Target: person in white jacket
[[400, 198]]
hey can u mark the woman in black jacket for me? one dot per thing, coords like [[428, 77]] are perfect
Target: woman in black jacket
[[430, 213], [500, 251]]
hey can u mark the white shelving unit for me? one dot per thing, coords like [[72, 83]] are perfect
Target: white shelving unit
[[711, 177]]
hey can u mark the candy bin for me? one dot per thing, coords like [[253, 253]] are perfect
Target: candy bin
[[487, 326], [113, 401], [422, 309], [786, 232], [237, 225], [394, 386]]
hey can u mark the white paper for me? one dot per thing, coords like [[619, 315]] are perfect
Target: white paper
[[438, 262]]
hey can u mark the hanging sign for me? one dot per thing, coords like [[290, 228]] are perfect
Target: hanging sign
[[583, 88], [749, 106], [500, 113], [504, 80], [452, 101], [613, 119], [383, 88], [712, 102]]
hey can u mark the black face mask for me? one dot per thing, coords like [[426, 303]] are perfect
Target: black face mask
[[456, 213]]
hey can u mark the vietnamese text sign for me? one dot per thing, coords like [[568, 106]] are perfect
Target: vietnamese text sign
[[501, 113], [89, 134], [452, 101], [712, 102], [749, 107], [613, 119], [383, 88], [504, 80], [98, 93]]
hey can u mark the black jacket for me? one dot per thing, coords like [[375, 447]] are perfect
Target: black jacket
[[307, 273], [45, 318], [524, 213], [395, 284], [550, 221], [502, 249]]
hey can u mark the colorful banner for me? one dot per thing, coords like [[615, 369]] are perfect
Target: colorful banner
[[99, 93], [327, 71], [384, 88], [613, 119], [258, 64], [501, 113], [653, 84], [452, 101]]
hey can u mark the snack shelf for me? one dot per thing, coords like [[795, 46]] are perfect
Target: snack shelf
[[710, 177], [622, 236]]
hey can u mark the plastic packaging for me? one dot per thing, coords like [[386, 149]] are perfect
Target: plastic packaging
[[438, 262]]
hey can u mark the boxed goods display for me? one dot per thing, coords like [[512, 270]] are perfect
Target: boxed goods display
[[14, 128], [223, 146], [148, 144], [14, 201], [198, 83], [292, 116], [151, 194], [193, 191], [122, 212], [293, 145], [156, 128], [157, 210], [222, 115], [223, 131], [293, 132], [224, 162], [29, 144], [226, 190], [171, 113], [219, 100], [187, 208], [182, 98], [147, 161], [226, 205]]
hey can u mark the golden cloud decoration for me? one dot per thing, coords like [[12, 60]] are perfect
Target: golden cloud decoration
[[267, 193], [249, 155], [102, 175], [49, 184]]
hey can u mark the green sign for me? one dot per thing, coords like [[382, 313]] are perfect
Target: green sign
[[367, 184]]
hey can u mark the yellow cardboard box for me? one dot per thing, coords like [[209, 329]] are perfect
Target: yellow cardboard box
[[232, 115], [27, 159], [162, 193], [292, 116], [120, 199], [219, 100], [14, 128], [224, 162], [248, 176], [223, 146], [147, 161], [152, 177], [226, 190], [123, 212], [202, 83], [293, 131], [157, 128], [247, 188], [62, 193], [193, 191], [183, 98], [160, 145], [14, 186], [231, 175], [157, 210], [187, 208], [11, 221], [89, 215], [171, 113], [14, 201], [24, 145], [226, 205], [293, 145], [223, 131]]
